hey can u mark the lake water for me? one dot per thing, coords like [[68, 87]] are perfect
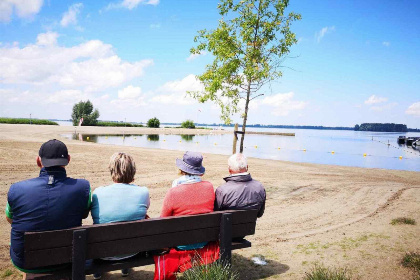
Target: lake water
[[315, 146]]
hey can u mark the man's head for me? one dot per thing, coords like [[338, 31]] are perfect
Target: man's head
[[237, 164], [53, 153], [122, 168]]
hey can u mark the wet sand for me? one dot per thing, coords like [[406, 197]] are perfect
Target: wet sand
[[334, 215]]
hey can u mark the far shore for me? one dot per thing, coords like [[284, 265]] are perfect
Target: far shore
[[335, 215]]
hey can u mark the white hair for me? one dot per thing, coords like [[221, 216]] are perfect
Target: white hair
[[237, 162]]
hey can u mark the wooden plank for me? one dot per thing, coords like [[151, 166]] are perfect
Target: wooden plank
[[79, 254], [225, 238], [104, 232], [54, 256], [104, 266]]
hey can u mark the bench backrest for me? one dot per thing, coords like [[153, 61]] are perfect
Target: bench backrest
[[107, 240]]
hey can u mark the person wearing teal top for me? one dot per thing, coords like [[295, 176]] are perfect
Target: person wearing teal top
[[121, 201]]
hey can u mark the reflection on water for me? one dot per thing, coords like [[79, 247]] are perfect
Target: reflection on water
[[153, 137], [187, 137], [349, 148]]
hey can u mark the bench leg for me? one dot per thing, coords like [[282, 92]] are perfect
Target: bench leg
[[225, 238], [79, 255]]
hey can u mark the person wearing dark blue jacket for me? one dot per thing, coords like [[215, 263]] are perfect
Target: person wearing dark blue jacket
[[51, 201]]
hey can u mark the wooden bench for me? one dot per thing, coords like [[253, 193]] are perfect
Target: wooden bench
[[79, 244]]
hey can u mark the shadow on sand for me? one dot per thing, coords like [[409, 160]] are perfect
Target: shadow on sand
[[247, 269], [244, 266]]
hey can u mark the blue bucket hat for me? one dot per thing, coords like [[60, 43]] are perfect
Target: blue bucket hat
[[191, 163]]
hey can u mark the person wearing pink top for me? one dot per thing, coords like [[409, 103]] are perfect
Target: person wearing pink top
[[189, 195]]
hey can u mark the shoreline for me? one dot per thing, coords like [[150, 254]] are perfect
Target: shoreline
[[336, 215]]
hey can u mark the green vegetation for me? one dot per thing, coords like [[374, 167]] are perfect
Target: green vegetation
[[412, 260], [119, 124], [403, 220], [188, 124], [84, 110], [6, 273], [320, 272], [187, 137], [249, 45], [153, 137], [153, 122], [214, 271], [26, 121], [383, 127]]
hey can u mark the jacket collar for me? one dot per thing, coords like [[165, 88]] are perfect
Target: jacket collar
[[238, 178], [57, 171]]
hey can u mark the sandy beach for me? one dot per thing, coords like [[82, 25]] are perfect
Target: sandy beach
[[334, 215]]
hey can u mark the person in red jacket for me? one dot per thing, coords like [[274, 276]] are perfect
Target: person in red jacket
[[189, 195]]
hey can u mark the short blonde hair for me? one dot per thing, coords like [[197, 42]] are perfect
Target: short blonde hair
[[122, 168]]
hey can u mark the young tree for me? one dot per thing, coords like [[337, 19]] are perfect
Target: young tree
[[250, 43], [188, 124], [84, 110], [153, 122]]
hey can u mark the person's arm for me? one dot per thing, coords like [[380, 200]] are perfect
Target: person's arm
[[167, 209], [262, 209], [89, 205], [218, 201], [9, 214]]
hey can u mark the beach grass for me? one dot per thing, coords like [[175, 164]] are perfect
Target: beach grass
[[403, 221], [214, 271], [118, 124], [320, 272], [27, 121], [412, 260], [6, 273]]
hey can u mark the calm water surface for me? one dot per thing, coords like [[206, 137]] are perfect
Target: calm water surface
[[315, 146]]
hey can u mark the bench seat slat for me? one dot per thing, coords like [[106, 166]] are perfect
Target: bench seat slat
[[115, 231], [60, 255], [93, 267]]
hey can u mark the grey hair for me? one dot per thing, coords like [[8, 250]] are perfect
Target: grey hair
[[237, 162]]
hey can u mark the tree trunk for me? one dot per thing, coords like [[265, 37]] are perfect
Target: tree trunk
[[248, 93]]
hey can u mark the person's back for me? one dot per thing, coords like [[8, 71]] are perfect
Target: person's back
[[51, 201], [121, 201], [240, 191]]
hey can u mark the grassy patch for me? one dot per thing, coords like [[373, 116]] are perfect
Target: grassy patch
[[412, 260], [403, 221], [6, 273], [118, 124], [214, 271], [320, 272], [26, 121], [346, 243]]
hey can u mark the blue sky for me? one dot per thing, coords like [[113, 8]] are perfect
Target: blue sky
[[356, 61]]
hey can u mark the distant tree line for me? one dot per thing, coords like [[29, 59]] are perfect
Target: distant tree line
[[382, 127]]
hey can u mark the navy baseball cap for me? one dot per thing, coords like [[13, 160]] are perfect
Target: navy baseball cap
[[54, 153]]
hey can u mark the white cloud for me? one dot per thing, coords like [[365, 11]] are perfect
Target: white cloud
[[47, 39], [375, 100], [155, 26], [324, 31], [70, 17], [414, 109], [386, 44], [384, 107], [22, 8], [129, 92], [90, 66], [283, 103], [131, 4], [177, 91], [195, 55]]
